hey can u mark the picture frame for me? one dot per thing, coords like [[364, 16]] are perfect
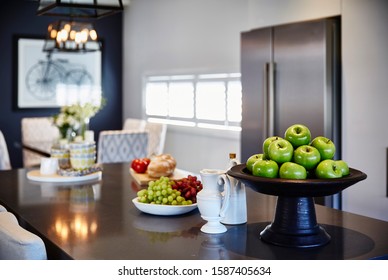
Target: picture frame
[[53, 79]]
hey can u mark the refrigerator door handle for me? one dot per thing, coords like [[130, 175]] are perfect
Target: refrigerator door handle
[[269, 100]]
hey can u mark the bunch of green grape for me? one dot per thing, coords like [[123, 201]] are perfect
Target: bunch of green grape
[[161, 192]]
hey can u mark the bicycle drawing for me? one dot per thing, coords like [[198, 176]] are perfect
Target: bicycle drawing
[[44, 79]]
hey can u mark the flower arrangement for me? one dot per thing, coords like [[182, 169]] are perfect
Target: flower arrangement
[[73, 120]]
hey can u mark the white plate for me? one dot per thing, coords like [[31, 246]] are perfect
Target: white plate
[[35, 175], [163, 210]]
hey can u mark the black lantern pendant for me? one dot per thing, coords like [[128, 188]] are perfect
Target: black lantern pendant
[[79, 8]]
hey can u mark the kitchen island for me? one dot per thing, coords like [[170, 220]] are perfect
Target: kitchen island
[[97, 220]]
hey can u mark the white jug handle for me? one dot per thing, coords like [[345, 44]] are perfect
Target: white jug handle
[[226, 182]]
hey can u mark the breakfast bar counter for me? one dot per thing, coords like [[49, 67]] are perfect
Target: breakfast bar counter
[[96, 220]]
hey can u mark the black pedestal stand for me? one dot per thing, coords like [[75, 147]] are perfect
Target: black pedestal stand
[[295, 224]]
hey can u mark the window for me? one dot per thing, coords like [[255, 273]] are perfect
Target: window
[[211, 100]]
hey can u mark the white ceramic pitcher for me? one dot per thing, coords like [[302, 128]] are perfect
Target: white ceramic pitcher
[[212, 204], [237, 211]]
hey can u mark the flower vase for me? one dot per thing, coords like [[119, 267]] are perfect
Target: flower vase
[[70, 134], [84, 126], [67, 134]]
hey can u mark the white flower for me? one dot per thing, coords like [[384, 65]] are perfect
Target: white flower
[[73, 116]]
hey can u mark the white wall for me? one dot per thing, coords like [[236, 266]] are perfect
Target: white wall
[[365, 97], [264, 13], [178, 37], [184, 36]]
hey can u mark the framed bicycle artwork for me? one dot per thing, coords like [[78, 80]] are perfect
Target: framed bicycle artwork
[[51, 80]]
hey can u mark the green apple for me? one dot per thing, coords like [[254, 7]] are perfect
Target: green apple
[[307, 156], [343, 165], [325, 147], [298, 135], [280, 151], [328, 169], [265, 168], [266, 144], [252, 159], [292, 170]]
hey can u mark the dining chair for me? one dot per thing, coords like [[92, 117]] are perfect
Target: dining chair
[[134, 124], [121, 146], [17, 243], [5, 163], [2, 208], [156, 134], [37, 131], [157, 137]]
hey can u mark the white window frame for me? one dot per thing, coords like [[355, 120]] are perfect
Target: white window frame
[[194, 121]]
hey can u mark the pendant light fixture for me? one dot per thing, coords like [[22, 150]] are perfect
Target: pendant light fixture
[[71, 36], [92, 9]]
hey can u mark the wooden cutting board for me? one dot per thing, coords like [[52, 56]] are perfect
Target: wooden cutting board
[[143, 178]]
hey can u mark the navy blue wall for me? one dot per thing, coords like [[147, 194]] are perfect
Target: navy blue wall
[[17, 18]]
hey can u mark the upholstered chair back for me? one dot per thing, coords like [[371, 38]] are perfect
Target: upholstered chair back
[[5, 163], [37, 131], [17, 243], [121, 146], [156, 134]]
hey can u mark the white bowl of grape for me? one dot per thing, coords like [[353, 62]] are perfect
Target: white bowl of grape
[[167, 197], [163, 210]]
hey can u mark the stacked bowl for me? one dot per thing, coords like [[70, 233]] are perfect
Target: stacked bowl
[[62, 153], [82, 155]]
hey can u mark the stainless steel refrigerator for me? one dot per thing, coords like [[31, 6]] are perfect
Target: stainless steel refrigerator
[[291, 74]]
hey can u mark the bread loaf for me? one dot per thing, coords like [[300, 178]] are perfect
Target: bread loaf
[[161, 165]]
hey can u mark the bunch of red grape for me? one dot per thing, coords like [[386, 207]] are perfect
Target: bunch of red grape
[[188, 187]]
